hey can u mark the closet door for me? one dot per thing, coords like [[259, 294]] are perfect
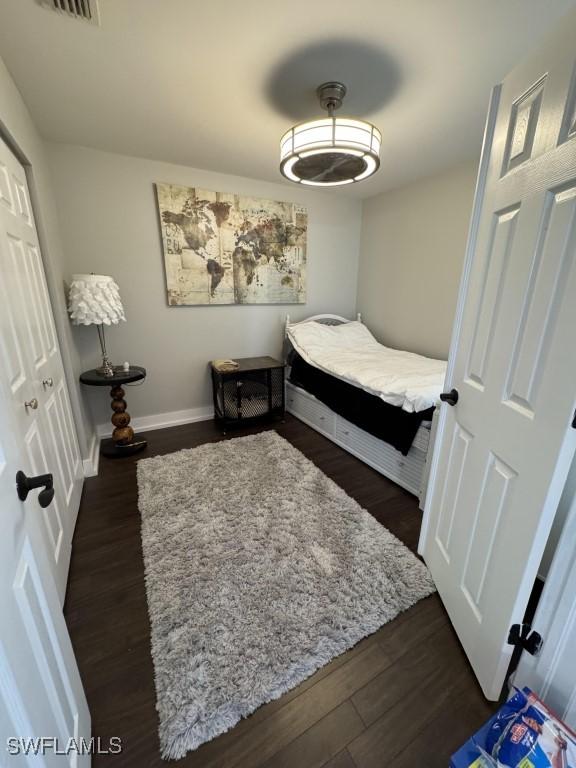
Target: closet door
[[32, 367], [40, 689], [503, 450]]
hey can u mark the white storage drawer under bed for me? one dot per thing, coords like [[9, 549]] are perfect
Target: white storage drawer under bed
[[406, 471], [310, 410]]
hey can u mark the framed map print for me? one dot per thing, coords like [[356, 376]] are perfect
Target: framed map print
[[221, 248]]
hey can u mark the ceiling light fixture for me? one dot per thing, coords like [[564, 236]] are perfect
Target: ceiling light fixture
[[333, 150]]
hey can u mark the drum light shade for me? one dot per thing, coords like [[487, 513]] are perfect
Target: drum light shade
[[330, 151]]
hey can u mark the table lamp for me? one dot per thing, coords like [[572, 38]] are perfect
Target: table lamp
[[95, 300]]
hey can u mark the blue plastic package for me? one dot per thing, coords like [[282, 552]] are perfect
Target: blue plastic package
[[524, 733]]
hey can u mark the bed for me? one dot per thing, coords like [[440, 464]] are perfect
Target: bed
[[374, 402]]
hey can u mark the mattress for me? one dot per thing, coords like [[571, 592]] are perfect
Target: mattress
[[351, 353], [368, 412]]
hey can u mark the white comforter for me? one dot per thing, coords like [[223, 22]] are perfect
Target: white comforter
[[350, 352]]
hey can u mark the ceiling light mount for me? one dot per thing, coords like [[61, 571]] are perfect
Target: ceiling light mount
[[331, 95], [330, 151]]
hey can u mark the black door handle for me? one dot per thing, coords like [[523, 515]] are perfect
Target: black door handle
[[450, 397], [25, 484]]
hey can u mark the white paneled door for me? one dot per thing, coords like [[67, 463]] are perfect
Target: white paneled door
[[504, 449], [32, 368], [40, 690], [41, 693]]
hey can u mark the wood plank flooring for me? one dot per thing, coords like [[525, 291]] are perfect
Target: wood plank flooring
[[401, 698]]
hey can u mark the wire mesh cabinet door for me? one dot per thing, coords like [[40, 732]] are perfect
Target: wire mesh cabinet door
[[248, 394]]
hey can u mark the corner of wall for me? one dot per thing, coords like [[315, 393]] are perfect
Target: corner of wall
[[411, 259]]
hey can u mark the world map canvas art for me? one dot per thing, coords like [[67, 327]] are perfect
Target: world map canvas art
[[221, 248]]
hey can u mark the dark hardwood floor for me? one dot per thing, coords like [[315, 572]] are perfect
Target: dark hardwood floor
[[403, 697]]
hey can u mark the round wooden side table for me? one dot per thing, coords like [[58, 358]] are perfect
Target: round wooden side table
[[123, 441]]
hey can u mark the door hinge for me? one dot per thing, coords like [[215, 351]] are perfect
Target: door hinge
[[521, 636]]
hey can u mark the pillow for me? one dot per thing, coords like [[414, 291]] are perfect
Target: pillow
[[349, 335]]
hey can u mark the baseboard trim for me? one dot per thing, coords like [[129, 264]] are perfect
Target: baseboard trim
[[162, 420], [90, 465]]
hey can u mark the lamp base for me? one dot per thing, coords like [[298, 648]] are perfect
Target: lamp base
[[113, 450], [106, 369]]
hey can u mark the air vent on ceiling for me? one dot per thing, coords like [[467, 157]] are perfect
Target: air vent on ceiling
[[79, 9]]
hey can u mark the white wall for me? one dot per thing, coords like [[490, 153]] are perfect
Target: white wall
[[109, 225], [411, 257], [565, 505], [17, 128]]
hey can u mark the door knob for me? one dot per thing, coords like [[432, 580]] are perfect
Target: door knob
[[26, 484], [48, 382], [31, 404], [450, 397]]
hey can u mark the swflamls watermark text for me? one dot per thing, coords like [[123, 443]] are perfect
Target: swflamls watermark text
[[44, 745]]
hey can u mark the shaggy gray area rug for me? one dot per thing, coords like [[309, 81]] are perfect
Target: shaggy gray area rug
[[259, 570]]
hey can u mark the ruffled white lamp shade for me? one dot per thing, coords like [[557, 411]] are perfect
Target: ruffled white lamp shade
[[95, 300]]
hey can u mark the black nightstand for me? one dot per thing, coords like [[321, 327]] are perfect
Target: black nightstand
[[252, 392]]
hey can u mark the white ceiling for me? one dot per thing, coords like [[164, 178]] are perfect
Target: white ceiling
[[215, 84]]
